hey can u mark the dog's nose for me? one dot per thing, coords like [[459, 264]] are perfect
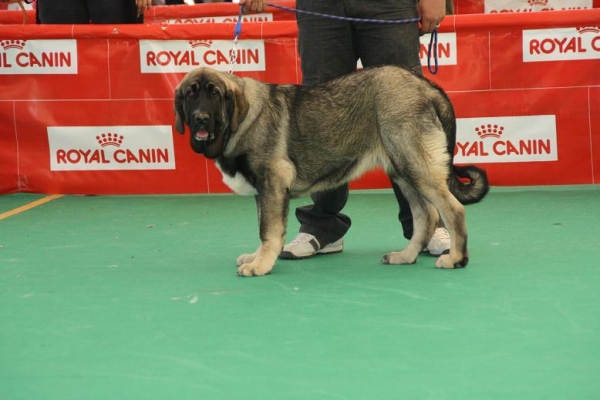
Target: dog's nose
[[202, 118]]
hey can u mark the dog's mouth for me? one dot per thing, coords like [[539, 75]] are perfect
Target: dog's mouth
[[202, 135], [207, 141]]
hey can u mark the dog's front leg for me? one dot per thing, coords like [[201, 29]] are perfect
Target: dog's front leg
[[273, 205], [248, 258]]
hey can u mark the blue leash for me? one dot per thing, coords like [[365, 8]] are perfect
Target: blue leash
[[238, 25], [350, 19], [432, 42]]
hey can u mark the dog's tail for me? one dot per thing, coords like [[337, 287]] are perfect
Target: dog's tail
[[469, 184]]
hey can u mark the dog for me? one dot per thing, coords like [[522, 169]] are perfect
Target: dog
[[284, 141]]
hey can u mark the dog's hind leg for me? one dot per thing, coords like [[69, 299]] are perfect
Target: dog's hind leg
[[453, 215], [425, 219], [423, 165]]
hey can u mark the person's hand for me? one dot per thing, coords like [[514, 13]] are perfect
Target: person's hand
[[253, 5], [432, 13], [143, 6]]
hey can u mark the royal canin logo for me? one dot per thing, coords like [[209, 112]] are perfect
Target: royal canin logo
[[46, 56], [561, 44], [512, 6], [265, 17], [506, 139], [160, 56], [97, 148]]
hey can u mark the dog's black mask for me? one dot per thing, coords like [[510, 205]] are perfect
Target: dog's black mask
[[202, 108], [205, 104]]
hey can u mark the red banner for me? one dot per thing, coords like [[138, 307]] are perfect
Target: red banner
[[88, 108], [9, 151]]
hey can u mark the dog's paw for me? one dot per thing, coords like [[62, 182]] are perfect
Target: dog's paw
[[445, 261], [251, 269], [245, 259], [398, 257]]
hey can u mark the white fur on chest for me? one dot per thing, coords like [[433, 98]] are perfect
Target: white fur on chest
[[238, 183]]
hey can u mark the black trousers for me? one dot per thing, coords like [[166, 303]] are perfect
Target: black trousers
[[87, 11], [330, 48]]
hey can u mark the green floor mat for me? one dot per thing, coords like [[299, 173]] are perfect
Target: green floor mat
[[136, 297]]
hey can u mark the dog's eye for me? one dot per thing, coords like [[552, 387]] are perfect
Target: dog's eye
[[214, 92], [192, 91]]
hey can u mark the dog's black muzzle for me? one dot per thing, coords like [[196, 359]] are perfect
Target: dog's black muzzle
[[204, 129]]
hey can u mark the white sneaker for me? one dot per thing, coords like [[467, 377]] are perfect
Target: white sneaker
[[306, 245], [439, 243]]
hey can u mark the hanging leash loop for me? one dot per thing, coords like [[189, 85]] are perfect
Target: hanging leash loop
[[433, 47]]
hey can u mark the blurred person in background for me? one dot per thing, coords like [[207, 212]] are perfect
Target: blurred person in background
[[167, 2], [92, 11], [16, 5]]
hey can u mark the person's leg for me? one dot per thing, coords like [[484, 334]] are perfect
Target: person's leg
[[405, 213], [113, 12], [325, 45], [327, 51], [389, 44], [62, 12], [323, 219]]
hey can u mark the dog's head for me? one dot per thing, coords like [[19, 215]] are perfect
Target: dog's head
[[213, 105]]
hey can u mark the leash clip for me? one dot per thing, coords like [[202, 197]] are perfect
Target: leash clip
[[236, 35]]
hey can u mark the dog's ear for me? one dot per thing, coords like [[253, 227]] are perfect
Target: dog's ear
[[237, 107], [179, 110]]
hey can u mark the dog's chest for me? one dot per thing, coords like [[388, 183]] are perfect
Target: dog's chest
[[236, 181]]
